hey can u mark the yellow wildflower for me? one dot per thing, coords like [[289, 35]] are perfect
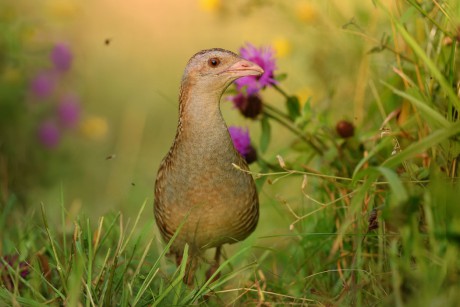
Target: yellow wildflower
[[94, 127], [306, 12], [304, 94], [210, 5], [282, 47], [62, 9]]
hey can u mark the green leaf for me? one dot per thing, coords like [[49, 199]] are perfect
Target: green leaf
[[266, 134], [293, 106], [306, 110]]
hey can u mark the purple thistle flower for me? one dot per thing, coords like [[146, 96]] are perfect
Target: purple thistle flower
[[68, 111], [43, 84], [265, 58], [242, 142], [49, 134], [62, 57]]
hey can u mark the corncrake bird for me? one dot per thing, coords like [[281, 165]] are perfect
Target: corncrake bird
[[196, 184]]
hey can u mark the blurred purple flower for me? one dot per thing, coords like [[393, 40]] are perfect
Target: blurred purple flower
[[265, 58], [62, 57], [43, 84], [49, 134], [242, 142], [68, 111], [12, 260], [249, 105]]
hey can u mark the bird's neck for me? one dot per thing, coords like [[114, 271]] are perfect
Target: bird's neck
[[200, 119]]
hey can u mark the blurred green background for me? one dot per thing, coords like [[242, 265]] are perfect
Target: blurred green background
[[127, 63]]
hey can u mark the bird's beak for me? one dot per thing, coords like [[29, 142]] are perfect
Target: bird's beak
[[244, 68]]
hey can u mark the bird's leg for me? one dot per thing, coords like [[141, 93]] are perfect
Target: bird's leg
[[214, 266], [178, 259], [190, 269]]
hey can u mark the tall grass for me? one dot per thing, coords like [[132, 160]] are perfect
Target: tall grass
[[376, 225]]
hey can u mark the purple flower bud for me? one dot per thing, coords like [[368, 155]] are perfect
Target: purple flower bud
[[49, 134], [242, 142], [62, 57], [69, 111], [250, 106], [43, 84]]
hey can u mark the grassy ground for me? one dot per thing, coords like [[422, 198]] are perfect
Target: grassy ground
[[369, 220]]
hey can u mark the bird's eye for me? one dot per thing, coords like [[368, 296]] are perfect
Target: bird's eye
[[214, 62]]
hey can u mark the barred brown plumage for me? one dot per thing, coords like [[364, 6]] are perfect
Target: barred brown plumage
[[196, 182]]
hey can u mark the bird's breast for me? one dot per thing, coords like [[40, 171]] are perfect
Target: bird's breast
[[199, 182]]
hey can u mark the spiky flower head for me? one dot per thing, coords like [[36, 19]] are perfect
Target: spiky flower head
[[265, 58], [242, 142]]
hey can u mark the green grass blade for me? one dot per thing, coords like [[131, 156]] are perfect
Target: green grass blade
[[431, 140], [396, 185], [432, 67], [193, 296], [155, 267], [128, 238], [177, 281], [424, 108], [384, 143], [59, 266]]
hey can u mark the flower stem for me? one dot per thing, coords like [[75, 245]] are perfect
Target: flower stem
[[293, 129], [277, 111], [281, 91], [291, 122]]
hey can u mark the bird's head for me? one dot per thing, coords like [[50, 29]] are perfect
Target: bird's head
[[213, 70]]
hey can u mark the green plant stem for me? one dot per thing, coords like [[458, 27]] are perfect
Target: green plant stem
[[286, 117], [281, 91], [277, 111], [426, 15], [293, 129]]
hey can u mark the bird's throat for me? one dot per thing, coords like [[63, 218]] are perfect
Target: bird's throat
[[200, 120]]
